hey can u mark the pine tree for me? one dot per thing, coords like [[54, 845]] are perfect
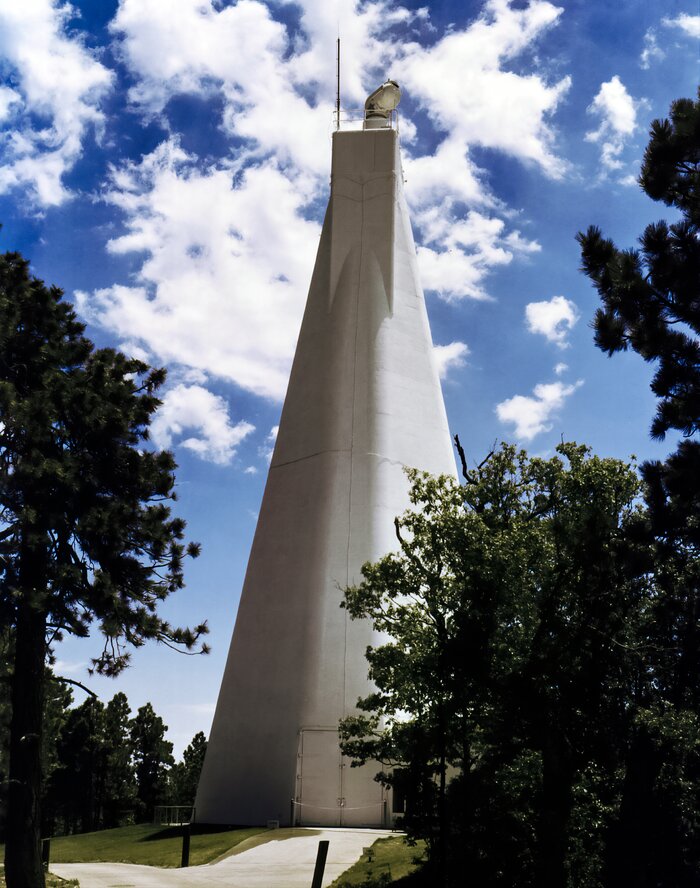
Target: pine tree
[[119, 788], [651, 304], [153, 758], [184, 777], [86, 534], [75, 788], [650, 296]]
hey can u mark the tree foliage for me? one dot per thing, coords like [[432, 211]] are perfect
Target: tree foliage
[[650, 304], [86, 532], [105, 769], [184, 777], [504, 691], [152, 755], [540, 692], [650, 296]]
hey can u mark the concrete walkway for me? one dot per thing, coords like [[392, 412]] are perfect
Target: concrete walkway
[[275, 863]]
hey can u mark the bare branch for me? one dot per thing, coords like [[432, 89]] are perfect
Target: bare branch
[[72, 681]]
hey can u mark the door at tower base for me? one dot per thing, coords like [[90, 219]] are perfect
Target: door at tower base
[[329, 790], [364, 401]]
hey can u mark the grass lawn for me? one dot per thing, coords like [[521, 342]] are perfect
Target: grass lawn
[[149, 844], [51, 881], [390, 857]]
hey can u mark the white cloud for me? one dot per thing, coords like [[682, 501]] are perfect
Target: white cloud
[[651, 50], [190, 46], [467, 84], [449, 356], [58, 86], [225, 269], [463, 84], [267, 449], [448, 174], [458, 252], [66, 667], [530, 415], [688, 23], [226, 250], [192, 407], [278, 92], [561, 368], [8, 99], [241, 51], [617, 112], [553, 318]]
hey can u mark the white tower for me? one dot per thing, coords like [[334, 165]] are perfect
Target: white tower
[[364, 400]]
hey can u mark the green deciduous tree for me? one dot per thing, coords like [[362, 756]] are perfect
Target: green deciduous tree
[[511, 603], [86, 533]]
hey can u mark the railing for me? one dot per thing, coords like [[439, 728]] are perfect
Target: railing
[[356, 119], [173, 815]]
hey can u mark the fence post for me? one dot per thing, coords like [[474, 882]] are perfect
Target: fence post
[[185, 860], [45, 853], [320, 863]]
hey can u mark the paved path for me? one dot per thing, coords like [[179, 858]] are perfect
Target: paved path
[[285, 863]]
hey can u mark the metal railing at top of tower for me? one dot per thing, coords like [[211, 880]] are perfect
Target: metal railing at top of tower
[[357, 119], [379, 111]]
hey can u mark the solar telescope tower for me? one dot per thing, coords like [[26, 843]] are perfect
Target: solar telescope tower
[[363, 402]]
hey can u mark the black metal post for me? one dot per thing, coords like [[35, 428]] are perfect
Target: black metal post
[[320, 864], [186, 831], [45, 853]]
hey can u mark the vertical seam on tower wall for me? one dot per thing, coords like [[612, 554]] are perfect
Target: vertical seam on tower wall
[[352, 443]]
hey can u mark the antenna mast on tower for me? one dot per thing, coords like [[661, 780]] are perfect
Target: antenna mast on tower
[[337, 92]]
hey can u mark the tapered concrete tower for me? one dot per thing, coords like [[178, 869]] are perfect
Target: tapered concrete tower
[[363, 402]]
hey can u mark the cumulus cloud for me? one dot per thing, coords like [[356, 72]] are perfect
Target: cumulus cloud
[[55, 98], [553, 318], [561, 368], [225, 250], [277, 88], [617, 113], [651, 51], [485, 91], [458, 253], [530, 415], [690, 24], [267, 448], [191, 408], [459, 248], [449, 356], [226, 262]]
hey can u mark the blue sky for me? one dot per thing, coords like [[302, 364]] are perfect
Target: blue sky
[[166, 162]]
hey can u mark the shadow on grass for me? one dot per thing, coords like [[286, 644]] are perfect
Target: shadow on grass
[[197, 829]]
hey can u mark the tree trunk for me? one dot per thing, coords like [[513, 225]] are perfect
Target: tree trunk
[[555, 812], [632, 839], [442, 819], [23, 868]]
